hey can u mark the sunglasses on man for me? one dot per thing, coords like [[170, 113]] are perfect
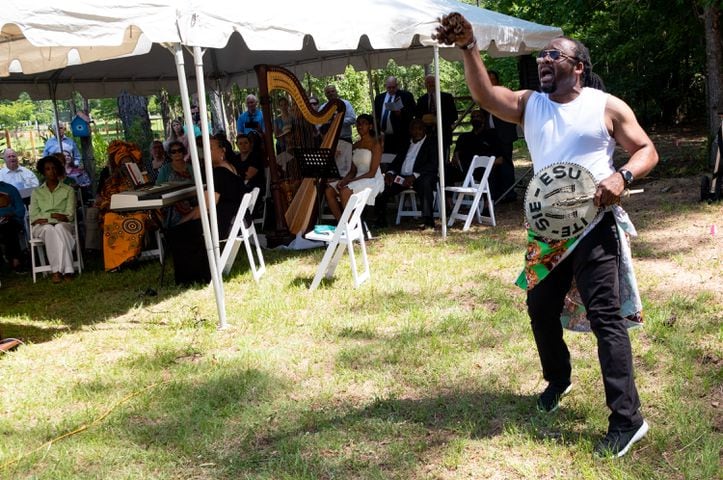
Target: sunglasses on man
[[555, 55]]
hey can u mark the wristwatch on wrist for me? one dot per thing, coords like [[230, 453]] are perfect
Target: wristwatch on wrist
[[627, 176]]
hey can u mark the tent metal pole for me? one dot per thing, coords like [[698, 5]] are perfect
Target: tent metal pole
[[208, 162], [53, 87], [368, 62], [200, 194], [440, 146], [206, 138]]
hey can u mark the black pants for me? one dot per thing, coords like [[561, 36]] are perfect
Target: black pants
[[594, 266], [424, 185], [10, 237], [501, 179], [188, 249]]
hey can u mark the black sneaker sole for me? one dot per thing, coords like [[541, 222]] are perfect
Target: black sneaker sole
[[639, 434], [557, 406]]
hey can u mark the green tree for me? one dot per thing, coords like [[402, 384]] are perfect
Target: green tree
[[649, 53]]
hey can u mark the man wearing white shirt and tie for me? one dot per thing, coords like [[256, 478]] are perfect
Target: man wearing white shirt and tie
[[394, 110]]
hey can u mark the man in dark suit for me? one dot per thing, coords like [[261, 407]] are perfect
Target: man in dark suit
[[416, 167], [506, 135], [481, 140], [394, 110], [427, 111]]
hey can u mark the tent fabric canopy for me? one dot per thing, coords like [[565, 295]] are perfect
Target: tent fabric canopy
[[305, 37], [80, 44]]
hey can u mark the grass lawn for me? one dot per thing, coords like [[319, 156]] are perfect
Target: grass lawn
[[427, 371]]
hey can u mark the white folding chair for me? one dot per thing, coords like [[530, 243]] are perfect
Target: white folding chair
[[471, 188], [348, 230], [261, 221], [39, 263], [156, 252], [239, 234], [408, 206]]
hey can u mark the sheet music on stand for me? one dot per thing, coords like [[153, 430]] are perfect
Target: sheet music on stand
[[139, 178], [316, 163]]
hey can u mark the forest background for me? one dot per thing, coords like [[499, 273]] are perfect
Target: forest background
[[662, 57]]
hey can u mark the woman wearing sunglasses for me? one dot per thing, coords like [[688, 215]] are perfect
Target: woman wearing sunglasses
[[176, 132], [178, 170], [571, 123]]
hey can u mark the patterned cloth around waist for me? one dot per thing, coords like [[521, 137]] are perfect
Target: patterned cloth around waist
[[543, 255]]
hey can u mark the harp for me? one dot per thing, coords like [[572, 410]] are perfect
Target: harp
[[295, 197]]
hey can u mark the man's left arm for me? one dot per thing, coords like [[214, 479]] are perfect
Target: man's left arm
[[349, 114], [449, 109], [628, 133], [409, 107], [76, 153], [48, 144], [30, 179]]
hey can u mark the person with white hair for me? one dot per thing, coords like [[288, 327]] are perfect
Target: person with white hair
[[54, 146], [252, 120], [15, 174]]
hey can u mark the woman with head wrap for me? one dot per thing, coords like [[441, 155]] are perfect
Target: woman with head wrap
[[123, 232]]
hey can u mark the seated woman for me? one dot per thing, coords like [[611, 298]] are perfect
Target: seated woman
[[123, 232], [186, 241], [250, 165], [177, 171], [364, 171], [157, 160], [52, 210], [282, 125], [75, 176], [176, 132]]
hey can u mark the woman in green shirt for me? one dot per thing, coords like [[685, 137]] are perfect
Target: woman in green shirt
[[52, 211]]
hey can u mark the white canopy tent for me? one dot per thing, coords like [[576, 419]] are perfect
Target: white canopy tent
[[42, 35]]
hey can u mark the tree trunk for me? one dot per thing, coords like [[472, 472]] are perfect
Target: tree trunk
[[165, 110], [215, 104], [714, 64], [133, 112]]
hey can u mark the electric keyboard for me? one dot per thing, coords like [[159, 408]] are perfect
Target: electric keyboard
[[156, 196]]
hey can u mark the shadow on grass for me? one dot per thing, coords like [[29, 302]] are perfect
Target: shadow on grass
[[388, 438], [234, 422]]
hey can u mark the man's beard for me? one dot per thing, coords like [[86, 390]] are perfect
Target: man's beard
[[549, 88]]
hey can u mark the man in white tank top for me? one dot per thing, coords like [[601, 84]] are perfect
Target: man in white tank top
[[571, 123]]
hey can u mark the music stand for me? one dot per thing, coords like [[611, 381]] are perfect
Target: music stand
[[316, 163]]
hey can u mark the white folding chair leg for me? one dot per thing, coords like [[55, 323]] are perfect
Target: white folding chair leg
[[475, 210], [490, 209], [413, 210], [240, 233], [359, 279], [455, 210], [327, 265], [256, 271], [228, 254]]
